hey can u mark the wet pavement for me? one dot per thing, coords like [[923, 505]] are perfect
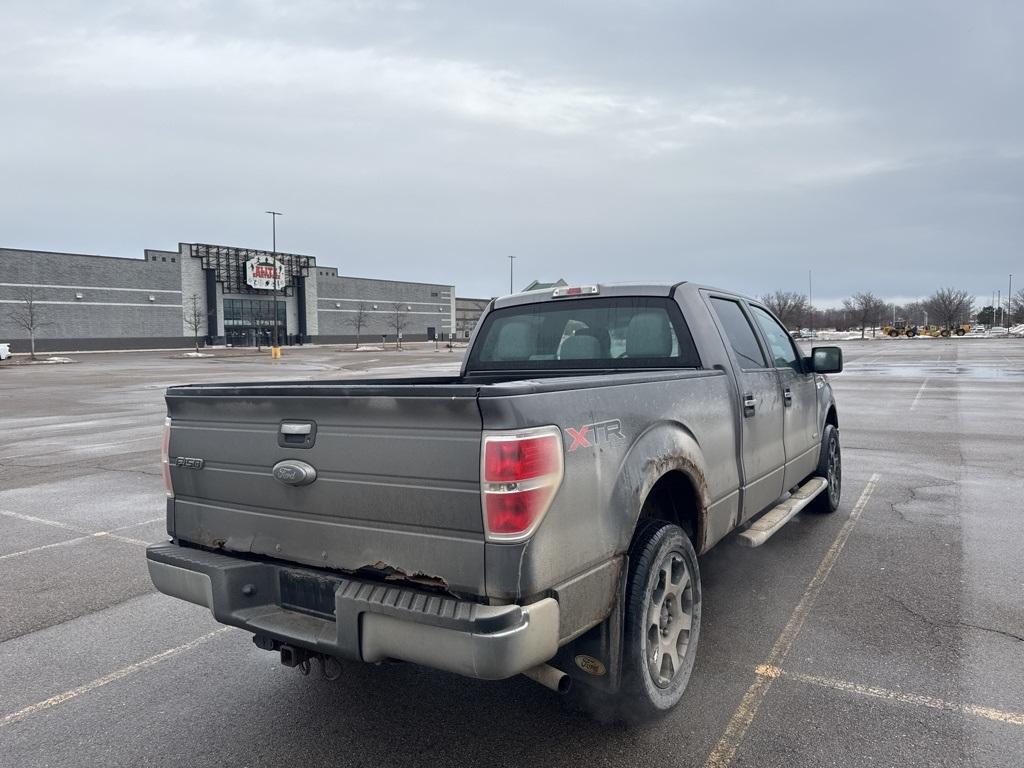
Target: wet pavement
[[890, 633]]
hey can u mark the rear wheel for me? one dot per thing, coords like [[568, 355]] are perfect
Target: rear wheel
[[960, 331], [662, 620], [830, 466], [944, 334], [894, 334], [911, 334]]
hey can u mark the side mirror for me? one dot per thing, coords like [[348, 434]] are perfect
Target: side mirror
[[826, 360]]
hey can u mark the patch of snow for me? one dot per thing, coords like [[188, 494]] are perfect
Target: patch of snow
[[50, 361]]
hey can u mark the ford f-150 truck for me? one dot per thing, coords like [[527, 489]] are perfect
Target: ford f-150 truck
[[541, 513]]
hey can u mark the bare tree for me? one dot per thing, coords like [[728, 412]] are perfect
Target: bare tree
[[865, 308], [790, 307], [949, 306], [1017, 307], [194, 316], [912, 312], [28, 315], [399, 321], [358, 320]]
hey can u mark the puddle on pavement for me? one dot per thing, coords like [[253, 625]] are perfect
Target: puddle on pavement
[[919, 371]]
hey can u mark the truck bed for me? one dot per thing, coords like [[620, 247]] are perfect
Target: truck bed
[[397, 461]]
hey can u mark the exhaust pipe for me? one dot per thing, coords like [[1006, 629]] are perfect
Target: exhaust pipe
[[549, 677]]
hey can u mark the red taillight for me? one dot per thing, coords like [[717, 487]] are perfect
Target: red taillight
[[510, 514], [520, 474], [165, 460], [506, 461]]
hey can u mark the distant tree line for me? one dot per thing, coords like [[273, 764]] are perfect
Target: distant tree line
[[863, 311]]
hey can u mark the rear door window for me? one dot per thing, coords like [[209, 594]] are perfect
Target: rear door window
[[740, 334], [591, 333]]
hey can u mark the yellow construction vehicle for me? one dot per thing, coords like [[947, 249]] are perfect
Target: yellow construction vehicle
[[903, 328], [899, 328], [945, 331]]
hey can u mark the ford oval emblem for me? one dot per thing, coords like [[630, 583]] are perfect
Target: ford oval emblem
[[293, 472]]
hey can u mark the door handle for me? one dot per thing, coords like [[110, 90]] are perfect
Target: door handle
[[787, 397], [749, 404]]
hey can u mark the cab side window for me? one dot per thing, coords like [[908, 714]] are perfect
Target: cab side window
[[740, 334], [784, 354]]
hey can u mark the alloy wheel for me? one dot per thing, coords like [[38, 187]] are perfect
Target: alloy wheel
[[835, 471], [669, 619]]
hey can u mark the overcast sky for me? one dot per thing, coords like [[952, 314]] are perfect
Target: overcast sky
[[738, 144]]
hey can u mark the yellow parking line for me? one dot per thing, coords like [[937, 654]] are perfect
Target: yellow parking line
[[989, 713], [131, 669], [724, 752]]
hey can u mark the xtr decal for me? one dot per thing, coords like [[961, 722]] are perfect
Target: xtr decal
[[590, 435]]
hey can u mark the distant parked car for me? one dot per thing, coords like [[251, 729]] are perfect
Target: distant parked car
[[5, 351]]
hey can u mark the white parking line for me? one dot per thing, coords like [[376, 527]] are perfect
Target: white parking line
[[111, 534], [136, 525], [77, 540], [41, 521], [90, 447], [32, 550], [724, 752], [131, 669], [923, 385], [989, 713]]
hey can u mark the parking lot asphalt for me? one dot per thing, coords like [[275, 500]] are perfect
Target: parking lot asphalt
[[888, 634]]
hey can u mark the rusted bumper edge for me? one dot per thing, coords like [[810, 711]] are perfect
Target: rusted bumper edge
[[361, 620]]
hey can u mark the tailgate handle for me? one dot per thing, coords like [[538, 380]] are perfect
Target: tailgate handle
[[297, 434]]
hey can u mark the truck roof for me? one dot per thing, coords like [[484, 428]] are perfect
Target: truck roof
[[605, 289]]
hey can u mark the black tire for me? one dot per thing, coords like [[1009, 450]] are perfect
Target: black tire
[[944, 334], [657, 544], [830, 466], [960, 331], [894, 334], [911, 334]]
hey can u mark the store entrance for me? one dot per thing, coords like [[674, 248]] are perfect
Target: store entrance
[[248, 337], [250, 322]]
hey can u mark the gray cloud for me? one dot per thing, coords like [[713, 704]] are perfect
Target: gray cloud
[[879, 144]]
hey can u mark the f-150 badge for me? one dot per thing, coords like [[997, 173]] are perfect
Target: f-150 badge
[[590, 435]]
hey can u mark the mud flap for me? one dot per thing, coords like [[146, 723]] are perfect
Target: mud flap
[[594, 659]]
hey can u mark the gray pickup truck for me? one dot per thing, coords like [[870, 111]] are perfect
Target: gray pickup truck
[[541, 513]]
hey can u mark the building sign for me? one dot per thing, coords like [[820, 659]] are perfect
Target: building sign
[[264, 273]]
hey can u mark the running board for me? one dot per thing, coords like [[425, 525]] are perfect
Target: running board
[[768, 524]]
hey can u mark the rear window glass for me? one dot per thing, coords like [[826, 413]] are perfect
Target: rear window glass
[[614, 332]]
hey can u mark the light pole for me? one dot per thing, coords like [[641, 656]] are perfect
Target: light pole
[[810, 299], [1009, 303], [273, 253], [511, 273]]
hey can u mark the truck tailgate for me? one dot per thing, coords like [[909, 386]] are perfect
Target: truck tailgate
[[397, 484]]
